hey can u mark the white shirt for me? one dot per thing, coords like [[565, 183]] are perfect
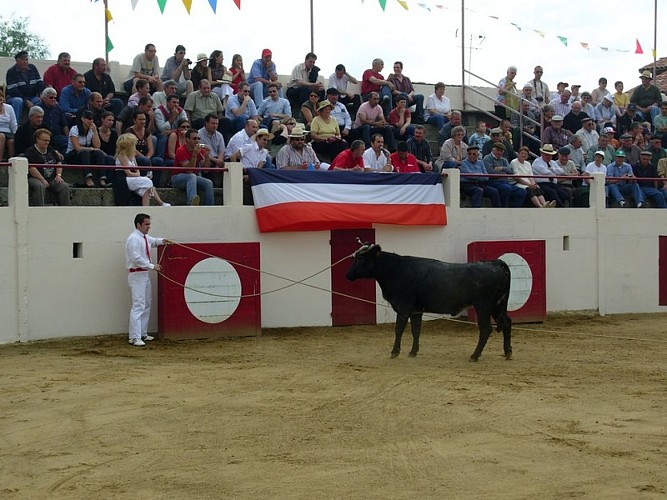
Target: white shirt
[[440, 105], [238, 139], [540, 167], [252, 154], [135, 250], [374, 162]]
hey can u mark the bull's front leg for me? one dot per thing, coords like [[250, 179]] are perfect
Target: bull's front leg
[[401, 322], [416, 326]]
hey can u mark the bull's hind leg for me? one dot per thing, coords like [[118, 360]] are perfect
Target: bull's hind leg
[[485, 329], [505, 324], [401, 322], [416, 326]]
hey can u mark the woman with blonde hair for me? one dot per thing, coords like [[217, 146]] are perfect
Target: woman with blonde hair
[[125, 157]]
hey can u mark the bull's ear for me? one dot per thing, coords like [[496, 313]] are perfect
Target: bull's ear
[[377, 249]]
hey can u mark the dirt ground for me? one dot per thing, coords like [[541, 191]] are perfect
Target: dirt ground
[[324, 413]]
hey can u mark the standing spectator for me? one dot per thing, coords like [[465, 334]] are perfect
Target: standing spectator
[[542, 93], [24, 84], [598, 94], [507, 95], [177, 68], [403, 86], [8, 128], [262, 73], [98, 80], [61, 74], [137, 263], [145, 66], [42, 178]]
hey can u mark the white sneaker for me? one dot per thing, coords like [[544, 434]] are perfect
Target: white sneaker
[[165, 204], [149, 174], [137, 342], [640, 204], [147, 338], [622, 203]]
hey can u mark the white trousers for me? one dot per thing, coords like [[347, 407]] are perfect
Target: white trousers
[[140, 285]]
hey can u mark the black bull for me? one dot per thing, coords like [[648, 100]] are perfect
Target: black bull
[[415, 285]]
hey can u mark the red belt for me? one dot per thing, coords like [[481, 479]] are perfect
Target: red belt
[[137, 270]]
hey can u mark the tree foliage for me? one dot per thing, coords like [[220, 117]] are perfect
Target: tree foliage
[[15, 35]]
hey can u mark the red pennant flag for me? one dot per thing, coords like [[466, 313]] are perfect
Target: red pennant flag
[[638, 50], [238, 3]]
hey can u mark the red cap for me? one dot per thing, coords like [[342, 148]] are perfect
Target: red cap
[[266, 52]]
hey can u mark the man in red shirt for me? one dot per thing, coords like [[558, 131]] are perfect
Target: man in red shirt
[[350, 159], [59, 75], [191, 156], [404, 162], [373, 81]]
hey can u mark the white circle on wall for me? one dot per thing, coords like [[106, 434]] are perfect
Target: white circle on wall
[[522, 280], [213, 290]]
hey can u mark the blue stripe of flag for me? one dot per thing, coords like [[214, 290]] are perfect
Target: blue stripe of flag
[[262, 176]]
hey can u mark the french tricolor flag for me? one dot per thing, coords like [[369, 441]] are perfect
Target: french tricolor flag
[[298, 200]]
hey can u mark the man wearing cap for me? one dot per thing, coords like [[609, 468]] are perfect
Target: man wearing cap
[[177, 68], [263, 72], [510, 195], [297, 154], [541, 89], [560, 88], [145, 66], [572, 120], [497, 137], [477, 187], [651, 189], [274, 108], [556, 135], [602, 145], [561, 104], [621, 181], [569, 169], [656, 149], [303, 81], [545, 165], [60, 75], [606, 112], [24, 84], [403, 161], [631, 150], [589, 136], [647, 97]]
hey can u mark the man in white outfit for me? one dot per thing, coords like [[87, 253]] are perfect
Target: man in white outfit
[[138, 263]]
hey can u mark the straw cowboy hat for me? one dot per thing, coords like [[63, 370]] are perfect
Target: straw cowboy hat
[[261, 132], [297, 132], [324, 104], [548, 149]]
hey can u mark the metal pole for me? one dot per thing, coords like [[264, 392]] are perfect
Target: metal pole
[[655, 37], [312, 29], [463, 54], [106, 32]]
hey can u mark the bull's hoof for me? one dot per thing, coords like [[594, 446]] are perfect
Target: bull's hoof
[[474, 358], [394, 354], [508, 356], [412, 354]]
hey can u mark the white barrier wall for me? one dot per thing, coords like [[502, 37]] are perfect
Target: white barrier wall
[[596, 258]]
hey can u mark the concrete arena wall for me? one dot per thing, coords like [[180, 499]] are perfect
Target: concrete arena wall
[[597, 258]]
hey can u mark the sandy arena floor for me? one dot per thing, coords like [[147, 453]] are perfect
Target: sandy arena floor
[[323, 413]]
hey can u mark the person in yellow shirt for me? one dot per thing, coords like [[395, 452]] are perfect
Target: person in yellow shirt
[[620, 99]]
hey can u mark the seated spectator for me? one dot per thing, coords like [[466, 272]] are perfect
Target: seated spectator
[[95, 105], [240, 108], [556, 135], [238, 74], [274, 108], [373, 81], [107, 133], [262, 73], [646, 97], [190, 157], [569, 170], [282, 132], [400, 119], [510, 194], [42, 178], [8, 128], [210, 136], [628, 119], [338, 80], [656, 149], [341, 115], [606, 112], [619, 184], [438, 108], [221, 77], [166, 121], [581, 196], [589, 136], [350, 159], [61, 74], [572, 120], [145, 66], [309, 109], [297, 154], [403, 86], [160, 98], [370, 120], [25, 133], [546, 166], [253, 154], [644, 170], [421, 149], [524, 128], [598, 94], [621, 100], [142, 186], [177, 68], [476, 187], [74, 97], [631, 150], [241, 138], [577, 153], [527, 97], [602, 145], [561, 104], [201, 71], [612, 140], [453, 150], [376, 158], [660, 122], [303, 81], [480, 137], [125, 120], [402, 161], [586, 105], [176, 140], [24, 84], [325, 134], [83, 148], [521, 166], [446, 131], [497, 137], [143, 89], [54, 119], [98, 80], [204, 102], [547, 114], [145, 148]]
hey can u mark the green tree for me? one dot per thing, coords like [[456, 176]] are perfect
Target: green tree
[[15, 35]]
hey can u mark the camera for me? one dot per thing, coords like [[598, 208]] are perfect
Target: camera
[[189, 62]]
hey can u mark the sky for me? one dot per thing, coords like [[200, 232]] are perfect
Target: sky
[[426, 37]]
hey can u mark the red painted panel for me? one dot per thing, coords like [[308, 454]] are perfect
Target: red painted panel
[[527, 261], [346, 310], [662, 270], [222, 295]]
